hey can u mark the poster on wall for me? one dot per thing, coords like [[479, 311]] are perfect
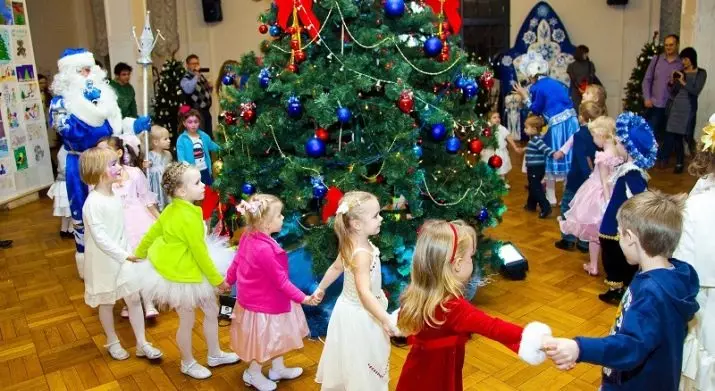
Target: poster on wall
[[25, 164]]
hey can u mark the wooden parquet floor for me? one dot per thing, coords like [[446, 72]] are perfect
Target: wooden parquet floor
[[49, 339]]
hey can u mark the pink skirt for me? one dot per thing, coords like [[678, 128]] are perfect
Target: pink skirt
[[261, 337]]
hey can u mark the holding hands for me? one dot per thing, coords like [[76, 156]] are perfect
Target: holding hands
[[562, 351]]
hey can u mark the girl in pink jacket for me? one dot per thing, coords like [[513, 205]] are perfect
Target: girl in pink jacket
[[268, 320]]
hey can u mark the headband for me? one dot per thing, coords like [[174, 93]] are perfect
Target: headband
[[454, 246]]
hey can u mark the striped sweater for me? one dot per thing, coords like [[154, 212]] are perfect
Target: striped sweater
[[537, 151]]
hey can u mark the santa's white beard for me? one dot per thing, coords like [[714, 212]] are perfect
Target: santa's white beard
[[71, 85]]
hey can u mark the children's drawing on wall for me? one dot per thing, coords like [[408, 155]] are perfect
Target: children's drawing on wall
[[6, 16], [35, 132], [32, 111], [3, 170], [25, 73], [29, 91], [18, 11], [20, 158], [12, 119], [21, 46], [39, 153], [2, 129], [4, 150], [17, 137], [9, 95], [7, 73], [5, 47]]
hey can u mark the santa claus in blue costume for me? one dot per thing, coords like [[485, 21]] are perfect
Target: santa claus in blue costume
[[84, 110]]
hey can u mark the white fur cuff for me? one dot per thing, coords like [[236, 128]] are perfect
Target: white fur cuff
[[78, 60], [127, 126], [531, 339]]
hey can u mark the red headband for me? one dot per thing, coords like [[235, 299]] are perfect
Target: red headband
[[454, 246]]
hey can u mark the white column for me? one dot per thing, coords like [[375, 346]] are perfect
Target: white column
[[121, 16], [697, 30]]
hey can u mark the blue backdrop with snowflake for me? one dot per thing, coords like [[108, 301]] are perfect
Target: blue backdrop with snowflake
[[544, 33]]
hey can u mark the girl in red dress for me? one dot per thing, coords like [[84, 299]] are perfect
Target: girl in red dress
[[439, 321]]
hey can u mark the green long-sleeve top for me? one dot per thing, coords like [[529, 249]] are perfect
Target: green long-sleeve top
[[176, 245], [126, 99]]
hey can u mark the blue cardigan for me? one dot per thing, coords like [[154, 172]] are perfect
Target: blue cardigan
[[185, 148], [583, 146]]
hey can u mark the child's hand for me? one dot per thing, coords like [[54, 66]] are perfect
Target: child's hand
[[563, 351], [390, 329], [132, 258], [309, 300], [558, 155], [318, 295], [224, 287], [520, 151], [146, 164]]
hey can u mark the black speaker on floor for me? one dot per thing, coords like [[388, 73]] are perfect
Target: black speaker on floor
[[212, 11], [617, 2]]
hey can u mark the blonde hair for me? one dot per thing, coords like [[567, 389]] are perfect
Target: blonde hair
[[433, 281], [351, 208], [534, 121], [173, 177], [600, 93], [656, 219], [266, 206], [589, 111], [93, 164], [703, 163], [603, 126], [158, 132]]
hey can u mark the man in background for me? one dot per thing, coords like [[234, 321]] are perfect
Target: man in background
[[126, 97], [197, 92]]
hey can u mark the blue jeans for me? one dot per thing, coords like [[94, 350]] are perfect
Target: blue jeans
[[565, 206]]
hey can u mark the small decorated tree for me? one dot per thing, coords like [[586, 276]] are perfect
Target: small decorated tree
[[169, 96], [634, 89]]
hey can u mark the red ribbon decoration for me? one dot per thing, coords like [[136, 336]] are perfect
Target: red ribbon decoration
[[451, 11], [306, 15], [332, 199]]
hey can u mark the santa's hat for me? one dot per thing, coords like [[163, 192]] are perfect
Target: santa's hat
[[75, 58]]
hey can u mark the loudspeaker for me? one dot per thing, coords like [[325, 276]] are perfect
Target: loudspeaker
[[212, 11], [617, 2]]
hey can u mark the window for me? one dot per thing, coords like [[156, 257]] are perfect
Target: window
[[486, 27]]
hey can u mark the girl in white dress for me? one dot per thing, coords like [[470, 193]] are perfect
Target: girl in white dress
[[504, 139], [58, 194], [108, 267], [356, 355]]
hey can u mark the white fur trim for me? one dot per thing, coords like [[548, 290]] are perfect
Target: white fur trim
[[128, 125], [531, 339], [78, 60]]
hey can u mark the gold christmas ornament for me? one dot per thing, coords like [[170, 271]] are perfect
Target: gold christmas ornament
[[217, 167]]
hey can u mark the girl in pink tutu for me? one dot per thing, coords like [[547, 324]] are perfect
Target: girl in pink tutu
[[139, 202], [583, 219], [268, 320]]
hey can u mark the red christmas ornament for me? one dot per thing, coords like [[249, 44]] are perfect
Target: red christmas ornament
[[476, 145], [248, 115], [263, 29], [299, 56], [406, 103], [229, 118], [487, 80], [294, 44], [380, 179], [419, 141], [290, 30], [292, 68], [443, 57], [322, 134], [487, 132], [495, 161]]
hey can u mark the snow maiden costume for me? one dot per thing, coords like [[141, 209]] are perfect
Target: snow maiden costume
[[83, 111]]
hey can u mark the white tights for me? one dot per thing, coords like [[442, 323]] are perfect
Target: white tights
[[186, 325], [136, 318], [66, 224], [551, 191]]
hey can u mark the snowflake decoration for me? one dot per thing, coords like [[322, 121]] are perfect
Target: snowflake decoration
[[507, 61], [529, 37], [558, 35], [533, 22], [546, 51], [553, 21], [543, 11], [560, 60]]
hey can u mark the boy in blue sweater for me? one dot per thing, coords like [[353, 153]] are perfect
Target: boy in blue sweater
[[645, 348], [536, 153]]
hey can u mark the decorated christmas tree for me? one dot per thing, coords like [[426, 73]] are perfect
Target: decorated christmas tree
[[4, 52], [362, 96], [168, 96], [634, 89]]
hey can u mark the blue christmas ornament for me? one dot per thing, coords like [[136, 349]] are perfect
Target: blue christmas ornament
[[394, 8], [275, 31], [470, 90], [319, 190], [438, 132], [294, 108], [344, 115], [433, 46], [461, 82], [228, 79], [483, 215], [264, 82], [248, 189], [417, 150], [452, 145], [314, 147]]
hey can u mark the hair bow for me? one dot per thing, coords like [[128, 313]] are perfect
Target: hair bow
[[248, 207], [183, 109]]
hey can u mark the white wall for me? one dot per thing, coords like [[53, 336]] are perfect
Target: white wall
[[697, 30], [614, 35]]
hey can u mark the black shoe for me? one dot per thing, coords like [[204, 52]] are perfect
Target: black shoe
[[545, 214], [5, 243], [612, 296], [66, 235], [582, 249], [678, 169], [399, 341], [530, 208], [564, 245]]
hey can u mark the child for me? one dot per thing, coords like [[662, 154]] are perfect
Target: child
[[645, 348], [637, 146], [268, 320], [138, 201], [194, 146], [584, 151], [595, 93], [58, 194], [503, 138], [440, 321], [535, 157], [698, 249], [583, 219], [181, 273], [108, 274], [159, 157], [357, 348]]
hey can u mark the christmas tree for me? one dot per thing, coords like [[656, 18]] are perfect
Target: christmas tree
[[634, 89], [4, 53], [362, 96], [169, 96]]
